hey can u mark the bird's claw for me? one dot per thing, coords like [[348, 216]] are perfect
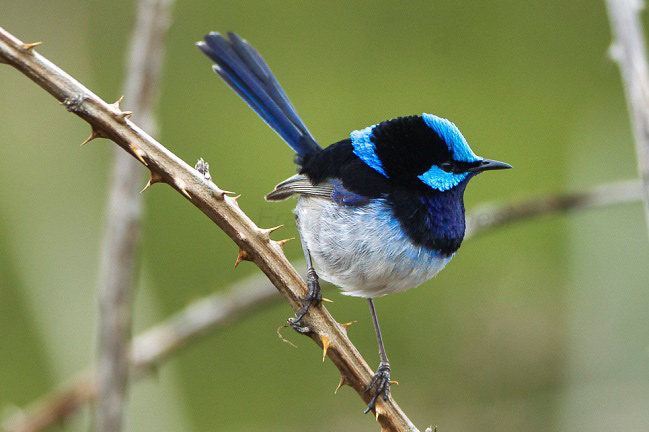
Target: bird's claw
[[381, 383], [313, 298], [315, 294]]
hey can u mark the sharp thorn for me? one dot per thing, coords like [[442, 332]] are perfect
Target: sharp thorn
[[121, 115], [394, 382], [343, 381], [241, 256], [92, 136], [118, 101], [378, 412], [155, 178], [324, 299], [139, 154], [325, 346], [267, 231], [281, 243], [182, 187], [345, 326], [236, 198], [30, 46], [221, 194]]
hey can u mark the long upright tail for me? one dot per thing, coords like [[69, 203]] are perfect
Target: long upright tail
[[243, 69]]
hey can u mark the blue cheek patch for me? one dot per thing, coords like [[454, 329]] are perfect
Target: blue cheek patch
[[365, 149], [441, 180], [452, 137]]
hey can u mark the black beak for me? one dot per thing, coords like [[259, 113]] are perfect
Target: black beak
[[487, 164]]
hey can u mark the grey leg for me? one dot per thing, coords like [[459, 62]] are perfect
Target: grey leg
[[381, 379], [315, 295]]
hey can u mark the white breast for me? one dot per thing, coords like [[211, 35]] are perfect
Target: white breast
[[363, 249]]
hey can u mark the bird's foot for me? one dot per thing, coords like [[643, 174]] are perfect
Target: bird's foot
[[381, 383], [313, 298]]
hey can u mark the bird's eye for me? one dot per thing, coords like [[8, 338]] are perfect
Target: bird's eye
[[447, 166]]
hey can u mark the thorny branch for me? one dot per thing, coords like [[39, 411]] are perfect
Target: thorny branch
[[155, 345], [630, 52], [255, 244], [217, 310], [119, 251]]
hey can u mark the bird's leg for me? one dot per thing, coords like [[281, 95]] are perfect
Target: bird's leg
[[314, 297], [381, 380]]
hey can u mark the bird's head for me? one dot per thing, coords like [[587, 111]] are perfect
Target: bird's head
[[421, 152]]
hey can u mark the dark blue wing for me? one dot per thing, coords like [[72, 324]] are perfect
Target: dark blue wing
[[243, 69], [345, 197]]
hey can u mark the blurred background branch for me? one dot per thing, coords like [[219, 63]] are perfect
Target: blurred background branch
[[486, 217], [119, 256], [152, 347], [630, 53]]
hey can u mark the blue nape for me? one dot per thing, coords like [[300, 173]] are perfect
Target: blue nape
[[452, 136], [365, 149]]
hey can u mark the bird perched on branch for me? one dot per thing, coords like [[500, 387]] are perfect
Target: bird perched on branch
[[378, 212]]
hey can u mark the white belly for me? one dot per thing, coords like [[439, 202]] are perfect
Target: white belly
[[362, 249]]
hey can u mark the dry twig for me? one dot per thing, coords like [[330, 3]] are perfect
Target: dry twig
[[122, 232], [489, 216], [629, 51], [149, 349]]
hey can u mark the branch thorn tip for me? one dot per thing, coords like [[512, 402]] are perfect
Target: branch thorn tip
[[139, 154], [117, 102], [126, 114], [346, 325], [343, 381], [281, 243], [325, 346], [94, 134], [155, 178], [30, 46], [267, 231], [242, 256]]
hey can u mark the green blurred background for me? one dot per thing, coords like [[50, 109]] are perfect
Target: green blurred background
[[542, 326]]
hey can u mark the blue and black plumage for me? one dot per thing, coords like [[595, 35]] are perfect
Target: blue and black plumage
[[379, 212], [243, 69]]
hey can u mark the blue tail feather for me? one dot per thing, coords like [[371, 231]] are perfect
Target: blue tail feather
[[245, 71]]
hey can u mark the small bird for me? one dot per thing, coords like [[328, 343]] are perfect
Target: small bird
[[378, 212]]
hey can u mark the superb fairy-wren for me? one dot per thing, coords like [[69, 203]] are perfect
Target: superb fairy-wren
[[379, 212]]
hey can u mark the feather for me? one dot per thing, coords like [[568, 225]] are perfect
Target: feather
[[245, 71], [331, 189]]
